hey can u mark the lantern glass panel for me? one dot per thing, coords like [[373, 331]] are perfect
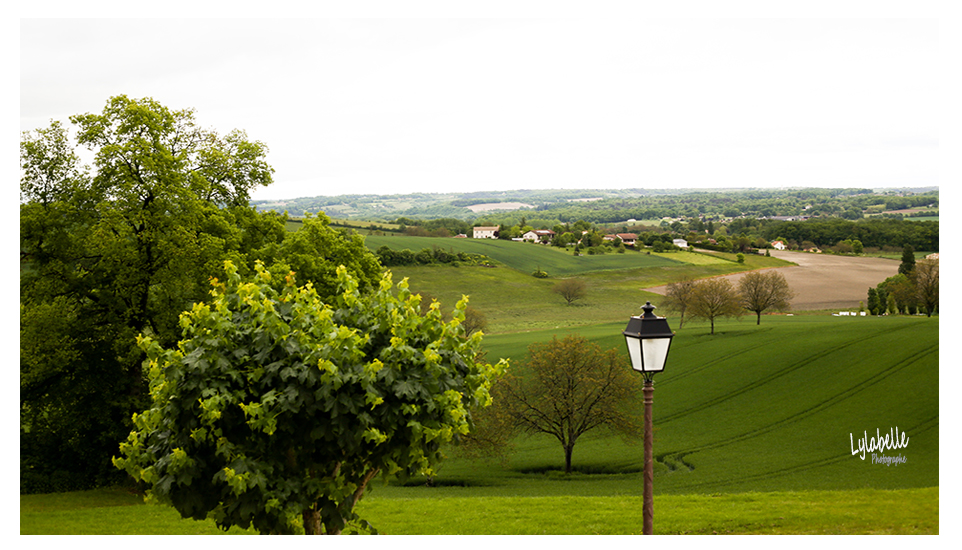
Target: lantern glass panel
[[634, 352], [655, 351]]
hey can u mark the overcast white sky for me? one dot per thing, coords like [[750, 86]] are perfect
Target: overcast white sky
[[431, 105]]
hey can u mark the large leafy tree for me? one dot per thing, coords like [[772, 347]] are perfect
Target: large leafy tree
[[902, 289], [315, 251], [120, 249], [571, 387], [277, 410], [926, 279], [761, 291]]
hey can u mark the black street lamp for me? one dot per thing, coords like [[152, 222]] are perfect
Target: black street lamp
[[648, 338]]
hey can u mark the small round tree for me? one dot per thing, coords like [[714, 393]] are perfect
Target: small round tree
[[571, 290], [277, 410], [572, 387], [715, 298], [761, 291]]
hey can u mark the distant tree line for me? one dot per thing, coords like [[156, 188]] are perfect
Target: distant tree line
[[871, 232], [842, 203], [616, 206], [915, 289], [390, 257], [438, 227]]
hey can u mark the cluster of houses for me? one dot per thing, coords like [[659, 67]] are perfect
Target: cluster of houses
[[547, 235], [629, 239]]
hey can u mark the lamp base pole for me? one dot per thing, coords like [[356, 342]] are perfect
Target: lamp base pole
[[649, 500]]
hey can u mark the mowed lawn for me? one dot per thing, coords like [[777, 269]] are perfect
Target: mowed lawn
[[867, 511]]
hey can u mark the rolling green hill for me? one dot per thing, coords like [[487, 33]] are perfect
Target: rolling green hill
[[775, 407], [513, 300], [527, 257]]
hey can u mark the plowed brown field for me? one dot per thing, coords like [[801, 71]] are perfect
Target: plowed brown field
[[825, 281]]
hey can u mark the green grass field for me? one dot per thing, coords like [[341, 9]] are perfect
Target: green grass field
[[867, 511], [513, 300], [754, 426], [528, 257], [771, 407]]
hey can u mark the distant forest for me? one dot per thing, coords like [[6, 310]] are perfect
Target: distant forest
[[607, 206]]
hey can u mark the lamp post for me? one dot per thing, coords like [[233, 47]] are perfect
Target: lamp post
[[648, 338]]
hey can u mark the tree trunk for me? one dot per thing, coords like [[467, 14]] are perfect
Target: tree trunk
[[568, 449], [312, 522], [759, 314]]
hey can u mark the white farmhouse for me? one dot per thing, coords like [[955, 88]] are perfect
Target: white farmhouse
[[486, 232], [538, 235], [627, 239], [680, 243], [779, 245]]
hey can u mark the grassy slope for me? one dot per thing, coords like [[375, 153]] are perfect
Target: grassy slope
[[513, 300], [740, 418], [752, 437], [752, 424], [527, 257], [754, 408]]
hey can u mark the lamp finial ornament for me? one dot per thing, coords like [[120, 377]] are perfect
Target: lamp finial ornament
[[648, 310]]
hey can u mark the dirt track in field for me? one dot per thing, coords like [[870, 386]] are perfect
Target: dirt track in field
[[825, 281]]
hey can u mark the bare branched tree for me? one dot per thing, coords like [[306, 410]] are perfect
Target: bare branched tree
[[571, 289], [764, 290], [679, 296], [715, 298]]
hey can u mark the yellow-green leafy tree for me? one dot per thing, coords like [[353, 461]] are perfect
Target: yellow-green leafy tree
[[277, 410]]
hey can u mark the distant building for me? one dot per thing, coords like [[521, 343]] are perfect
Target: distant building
[[779, 245], [539, 235], [628, 239], [680, 243], [486, 232]]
